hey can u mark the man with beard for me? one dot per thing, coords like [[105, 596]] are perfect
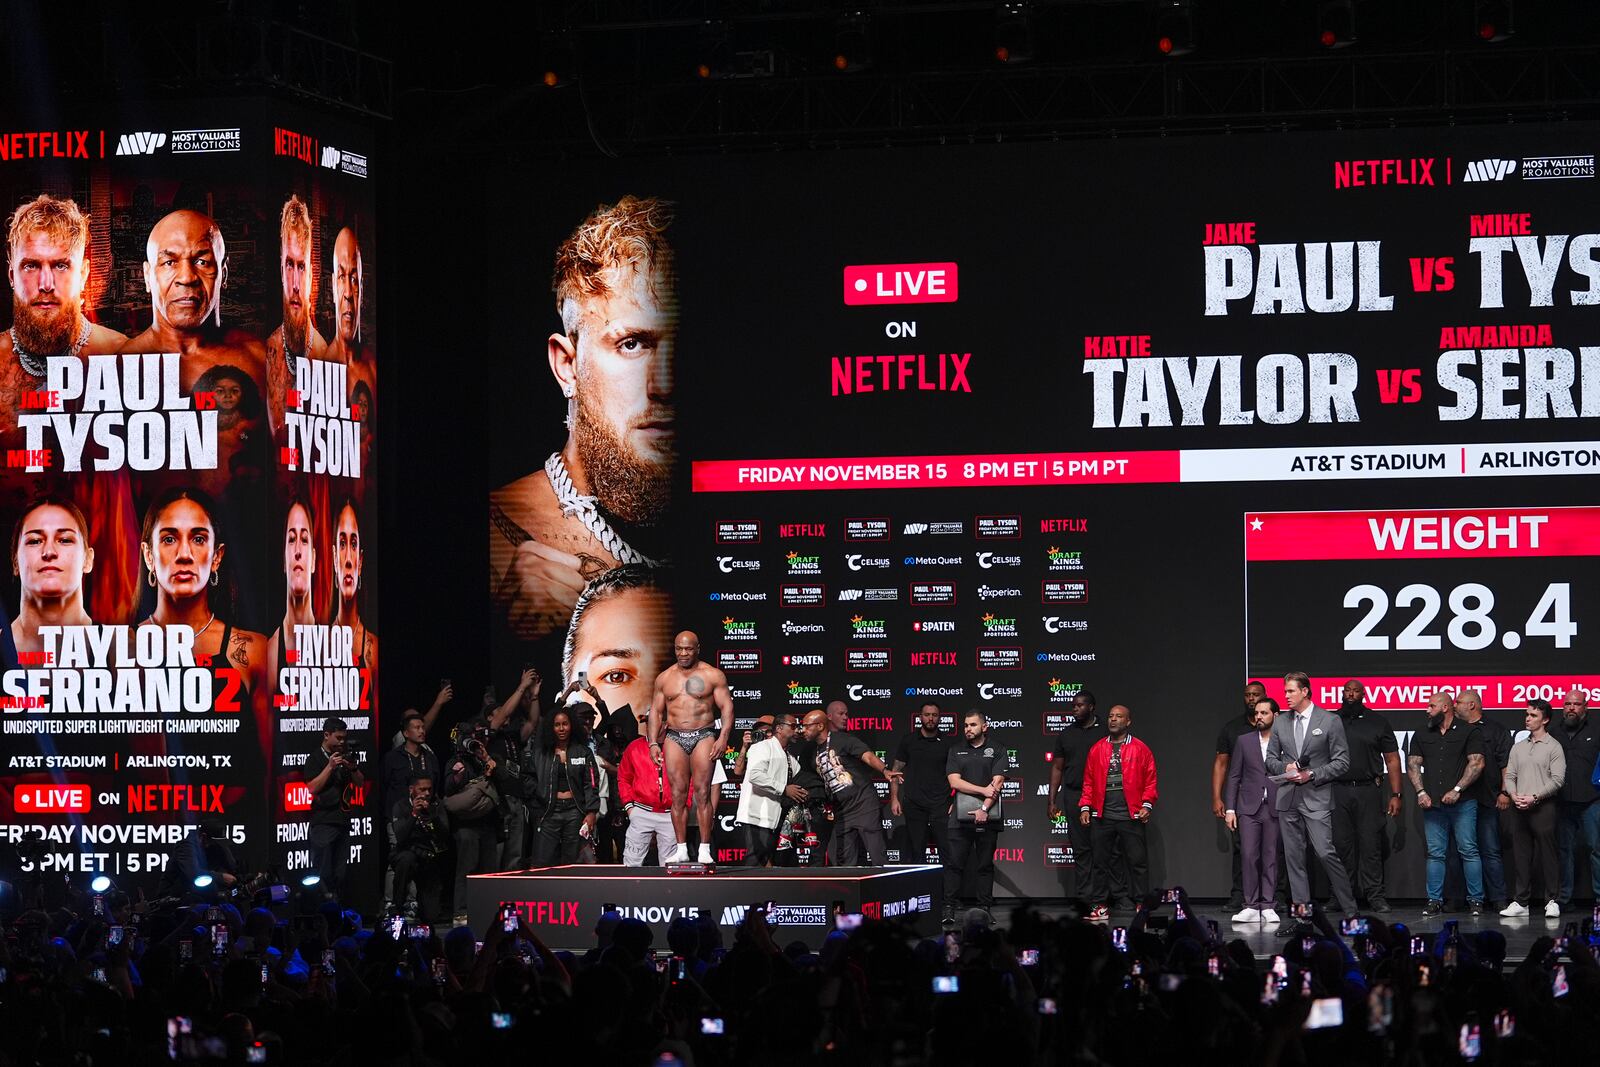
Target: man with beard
[[600, 494], [1066, 784], [48, 267], [1367, 793], [1232, 730], [1490, 793], [1580, 803], [360, 367], [297, 338], [185, 272], [1445, 760]]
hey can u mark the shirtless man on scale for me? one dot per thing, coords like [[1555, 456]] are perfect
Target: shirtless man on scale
[[689, 697]]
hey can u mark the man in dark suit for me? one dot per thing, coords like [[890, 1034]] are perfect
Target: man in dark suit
[[1308, 748], [1251, 798]]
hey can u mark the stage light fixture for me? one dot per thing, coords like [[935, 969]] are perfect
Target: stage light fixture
[[1013, 33], [852, 42], [204, 879], [310, 880], [1494, 20], [1175, 27], [1336, 23], [100, 883]]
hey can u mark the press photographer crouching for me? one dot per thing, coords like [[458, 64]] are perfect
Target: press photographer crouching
[[472, 796], [329, 770], [419, 837]]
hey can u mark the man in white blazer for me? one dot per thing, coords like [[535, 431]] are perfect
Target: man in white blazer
[[1308, 747], [767, 768]]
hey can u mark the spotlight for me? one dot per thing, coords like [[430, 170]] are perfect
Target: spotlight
[[852, 43], [1494, 20], [204, 879], [1336, 23], [1174, 27], [100, 883], [310, 880], [1013, 33]]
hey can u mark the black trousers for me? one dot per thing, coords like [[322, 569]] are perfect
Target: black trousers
[[1535, 830], [557, 838], [428, 872], [923, 820], [1118, 843], [759, 844], [477, 852], [968, 845], [1358, 836], [858, 839], [330, 852]]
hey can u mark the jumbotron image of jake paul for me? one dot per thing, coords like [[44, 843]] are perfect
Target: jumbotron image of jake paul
[[297, 338], [596, 501]]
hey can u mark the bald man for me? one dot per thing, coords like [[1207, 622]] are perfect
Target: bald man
[[686, 737], [843, 760], [185, 272], [360, 366]]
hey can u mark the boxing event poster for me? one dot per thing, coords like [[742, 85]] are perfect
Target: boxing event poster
[[1148, 418], [188, 396]]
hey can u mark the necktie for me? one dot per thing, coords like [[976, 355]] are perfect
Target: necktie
[[1299, 735]]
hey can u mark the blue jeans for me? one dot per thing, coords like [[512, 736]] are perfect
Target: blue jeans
[[1579, 818], [1460, 819]]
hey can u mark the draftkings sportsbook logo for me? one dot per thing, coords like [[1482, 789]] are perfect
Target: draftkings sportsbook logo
[[1061, 824], [1063, 692], [863, 629], [804, 694], [1063, 560], [994, 626], [738, 629], [803, 565]]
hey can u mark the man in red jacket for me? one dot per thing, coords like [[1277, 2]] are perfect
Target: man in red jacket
[[647, 796], [1119, 793]]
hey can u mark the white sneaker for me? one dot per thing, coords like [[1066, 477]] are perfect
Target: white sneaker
[[1514, 910], [1248, 915], [1268, 915], [705, 854], [1552, 910], [680, 854]]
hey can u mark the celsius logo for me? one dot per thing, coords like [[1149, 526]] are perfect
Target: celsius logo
[[802, 661], [140, 144], [997, 692], [987, 560], [989, 592], [1054, 624], [934, 626], [1489, 170], [729, 564], [792, 628], [726, 823], [862, 692], [745, 694], [859, 562]]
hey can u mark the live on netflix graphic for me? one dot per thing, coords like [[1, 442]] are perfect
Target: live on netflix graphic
[[188, 406]]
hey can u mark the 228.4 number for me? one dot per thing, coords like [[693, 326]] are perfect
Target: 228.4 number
[[1471, 625]]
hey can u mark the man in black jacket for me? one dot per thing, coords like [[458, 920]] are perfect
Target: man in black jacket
[[476, 835], [419, 837]]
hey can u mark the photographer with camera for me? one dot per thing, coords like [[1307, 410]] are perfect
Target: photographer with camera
[[419, 836], [473, 788], [328, 772]]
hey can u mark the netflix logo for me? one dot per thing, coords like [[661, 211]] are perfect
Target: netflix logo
[[802, 529], [295, 146]]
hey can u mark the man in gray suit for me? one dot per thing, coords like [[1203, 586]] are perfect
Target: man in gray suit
[[1252, 813], [1308, 747]]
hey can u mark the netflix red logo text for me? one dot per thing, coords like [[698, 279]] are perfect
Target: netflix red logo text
[[901, 283], [545, 912]]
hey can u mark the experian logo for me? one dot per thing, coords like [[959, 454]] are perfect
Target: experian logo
[[986, 592], [792, 628], [1489, 170]]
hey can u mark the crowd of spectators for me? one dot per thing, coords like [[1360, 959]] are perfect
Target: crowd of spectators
[[309, 983]]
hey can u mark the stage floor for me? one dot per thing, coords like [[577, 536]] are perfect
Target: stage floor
[[1267, 939]]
